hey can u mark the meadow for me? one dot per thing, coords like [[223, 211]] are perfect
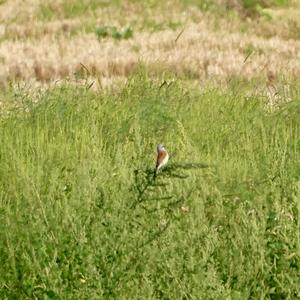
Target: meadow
[[81, 216]]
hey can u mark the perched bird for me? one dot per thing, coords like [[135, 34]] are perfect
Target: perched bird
[[162, 158]]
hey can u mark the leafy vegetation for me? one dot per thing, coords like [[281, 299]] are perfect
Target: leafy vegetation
[[82, 217], [112, 31]]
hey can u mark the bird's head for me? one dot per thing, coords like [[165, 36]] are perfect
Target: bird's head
[[160, 147]]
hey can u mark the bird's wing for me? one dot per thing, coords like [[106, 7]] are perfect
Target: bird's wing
[[160, 157]]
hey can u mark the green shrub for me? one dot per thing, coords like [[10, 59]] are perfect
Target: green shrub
[[111, 31]]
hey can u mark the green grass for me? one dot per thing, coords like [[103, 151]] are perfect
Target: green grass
[[144, 19], [72, 8], [82, 218]]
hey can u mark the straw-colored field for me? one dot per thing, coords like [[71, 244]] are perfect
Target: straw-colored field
[[46, 41]]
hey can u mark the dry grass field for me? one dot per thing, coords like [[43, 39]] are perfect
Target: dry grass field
[[46, 41]]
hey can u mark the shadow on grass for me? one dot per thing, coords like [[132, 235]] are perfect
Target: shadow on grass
[[145, 181], [151, 195]]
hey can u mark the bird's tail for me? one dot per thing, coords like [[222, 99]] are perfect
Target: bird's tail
[[154, 173]]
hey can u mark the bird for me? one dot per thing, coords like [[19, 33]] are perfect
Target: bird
[[162, 158]]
